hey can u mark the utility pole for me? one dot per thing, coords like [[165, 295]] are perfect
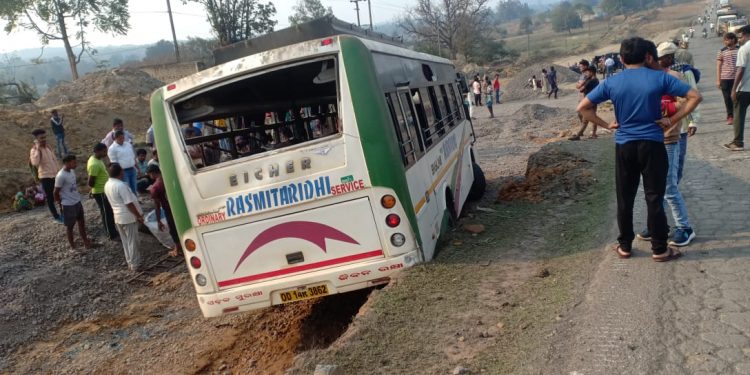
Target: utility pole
[[174, 36], [369, 10], [356, 7]]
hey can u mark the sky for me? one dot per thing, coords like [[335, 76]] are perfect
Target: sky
[[149, 21]]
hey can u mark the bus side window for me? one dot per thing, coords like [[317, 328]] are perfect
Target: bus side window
[[424, 116], [406, 143], [449, 105], [407, 107], [458, 99], [439, 109]]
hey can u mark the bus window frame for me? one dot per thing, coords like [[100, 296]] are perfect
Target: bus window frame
[[177, 125], [400, 125], [414, 127]]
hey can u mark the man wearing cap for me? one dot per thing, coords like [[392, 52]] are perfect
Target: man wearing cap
[[639, 150], [741, 91], [675, 142]]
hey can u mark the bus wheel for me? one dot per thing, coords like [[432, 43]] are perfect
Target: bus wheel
[[479, 184], [451, 208]]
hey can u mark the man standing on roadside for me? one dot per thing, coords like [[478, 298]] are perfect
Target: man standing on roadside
[[121, 152], [639, 151], [159, 195], [476, 89], [127, 214], [496, 88], [98, 177], [726, 70], [741, 91], [117, 125], [56, 122], [66, 193], [42, 158], [609, 67], [552, 77]]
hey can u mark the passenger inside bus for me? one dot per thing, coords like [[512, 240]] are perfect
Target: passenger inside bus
[[273, 110]]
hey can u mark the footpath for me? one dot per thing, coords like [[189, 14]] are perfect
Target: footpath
[[690, 316]]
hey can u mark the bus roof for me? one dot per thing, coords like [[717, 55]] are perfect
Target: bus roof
[[315, 29]]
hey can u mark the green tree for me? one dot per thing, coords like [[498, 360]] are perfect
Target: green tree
[[526, 25], [308, 10], [236, 20], [67, 21], [564, 17], [451, 25], [508, 10], [159, 51]]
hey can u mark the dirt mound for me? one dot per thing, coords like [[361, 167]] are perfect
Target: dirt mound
[[539, 112], [550, 175], [116, 83], [516, 89]]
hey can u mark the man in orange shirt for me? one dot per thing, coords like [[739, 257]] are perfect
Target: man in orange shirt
[[42, 158], [496, 87]]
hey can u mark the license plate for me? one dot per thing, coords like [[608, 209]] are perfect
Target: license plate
[[301, 293]]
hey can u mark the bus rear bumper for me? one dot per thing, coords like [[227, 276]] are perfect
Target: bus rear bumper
[[338, 280]]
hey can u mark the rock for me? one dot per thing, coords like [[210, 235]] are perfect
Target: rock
[[223, 367], [500, 325], [543, 273], [328, 370], [459, 370], [461, 339], [474, 228]]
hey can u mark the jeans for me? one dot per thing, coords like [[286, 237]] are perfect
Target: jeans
[[497, 96], [740, 110], [553, 90], [633, 160], [672, 196], [477, 100], [726, 92], [61, 148], [683, 153], [108, 218], [131, 179], [48, 185], [608, 71]]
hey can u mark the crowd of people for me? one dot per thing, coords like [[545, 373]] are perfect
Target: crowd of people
[[483, 87], [117, 174], [656, 111]]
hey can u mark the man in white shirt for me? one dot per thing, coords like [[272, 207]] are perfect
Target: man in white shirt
[[127, 213], [741, 90], [121, 152], [609, 65], [117, 125], [66, 194], [476, 89]]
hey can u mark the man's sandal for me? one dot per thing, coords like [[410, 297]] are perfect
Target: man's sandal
[[621, 252], [671, 254]]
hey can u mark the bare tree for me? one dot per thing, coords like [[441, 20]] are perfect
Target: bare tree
[[67, 21], [451, 24], [237, 20]]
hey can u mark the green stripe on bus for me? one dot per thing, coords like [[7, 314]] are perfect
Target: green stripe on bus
[[167, 164], [382, 154]]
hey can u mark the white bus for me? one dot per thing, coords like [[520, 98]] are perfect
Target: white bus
[[311, 161]]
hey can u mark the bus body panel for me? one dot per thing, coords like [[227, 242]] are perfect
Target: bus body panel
[[319, 238]]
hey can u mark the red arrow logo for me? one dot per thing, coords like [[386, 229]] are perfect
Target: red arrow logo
[[304, 230]]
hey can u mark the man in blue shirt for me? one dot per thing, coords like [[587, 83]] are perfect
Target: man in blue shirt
[[639, 151]]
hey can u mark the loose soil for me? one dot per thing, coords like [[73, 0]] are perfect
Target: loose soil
[[517, 88]]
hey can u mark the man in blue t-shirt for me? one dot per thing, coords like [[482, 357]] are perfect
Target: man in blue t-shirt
[[639, 151]]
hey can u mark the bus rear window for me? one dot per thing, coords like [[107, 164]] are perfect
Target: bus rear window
[[267, 111]]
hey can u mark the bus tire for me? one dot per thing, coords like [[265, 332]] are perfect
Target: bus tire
[[479, 184], [451, 208]]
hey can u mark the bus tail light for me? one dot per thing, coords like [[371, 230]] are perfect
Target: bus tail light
[[326, 42], [398, 239], [392, 220], [200, 279], [195, 262], [189, 245], [388, 201]]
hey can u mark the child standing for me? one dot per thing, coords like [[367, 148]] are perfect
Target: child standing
[[488, 102], [66, 194]]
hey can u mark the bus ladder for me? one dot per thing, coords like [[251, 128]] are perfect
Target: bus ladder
[[162, 265]]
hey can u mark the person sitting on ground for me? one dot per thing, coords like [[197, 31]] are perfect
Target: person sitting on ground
[[21, 202], [66, 194], [143, 181], [35, 195]]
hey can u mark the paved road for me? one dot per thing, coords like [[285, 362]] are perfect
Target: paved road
[[691, 316]]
